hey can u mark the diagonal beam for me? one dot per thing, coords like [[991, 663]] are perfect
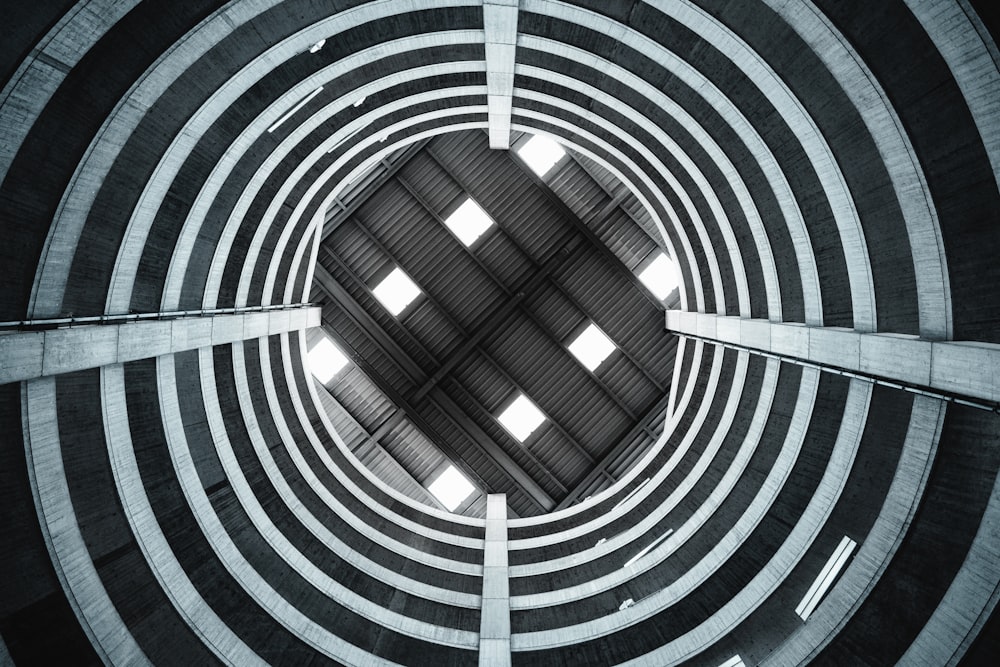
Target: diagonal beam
[[31, 354], [340, 211], [500, 26], [373, 441], [517, 476]]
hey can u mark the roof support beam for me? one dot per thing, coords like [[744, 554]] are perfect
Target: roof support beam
[[367, 187], [491, 322], [948, 369], [31, 354], [500, 24], [512, 470], [372, 440]]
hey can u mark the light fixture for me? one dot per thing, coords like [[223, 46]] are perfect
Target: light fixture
[[592, 347], [541, 153], [632, 493], [291, 112], [396, 291], [826, 577], [325, 359], [649, 548], [521, 418], [317, 46], [660, 276], [451, 488], [468, 222]]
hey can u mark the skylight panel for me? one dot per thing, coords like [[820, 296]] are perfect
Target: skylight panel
[[396, 291], [468, 222], [660, 276], [826, 577], [451, 488], [541, 153], [735, 661], [325, 360], [521, 418], [592, 347]]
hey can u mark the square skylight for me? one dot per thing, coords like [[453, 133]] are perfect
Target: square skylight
[[325, 360], [541, 153], [660, 276], [592, 347], [468, 222], [396, 291], [451, 488], [521, 418]]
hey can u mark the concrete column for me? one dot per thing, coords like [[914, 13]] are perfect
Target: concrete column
[[494, 628], [500, 24]]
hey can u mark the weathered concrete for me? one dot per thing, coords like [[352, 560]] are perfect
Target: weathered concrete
[[965, 368], [500, 24]]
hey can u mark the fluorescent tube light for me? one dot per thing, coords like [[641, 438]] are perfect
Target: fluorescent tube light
[[291, 112], [826, 577], [649, 548], [633, 492]]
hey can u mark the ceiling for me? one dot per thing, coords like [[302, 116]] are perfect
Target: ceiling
[[493, 320]]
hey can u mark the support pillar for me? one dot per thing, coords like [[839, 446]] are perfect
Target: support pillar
[[494, 628]]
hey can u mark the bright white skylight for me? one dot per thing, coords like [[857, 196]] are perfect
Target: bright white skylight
[[451, 488], [735, 661], [521, 418], [541, 153], [396, 291], [592, 347], [325, 360], [660, 276], [468, 222]]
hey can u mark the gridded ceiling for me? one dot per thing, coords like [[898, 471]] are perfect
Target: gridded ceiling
[[493, 320]]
